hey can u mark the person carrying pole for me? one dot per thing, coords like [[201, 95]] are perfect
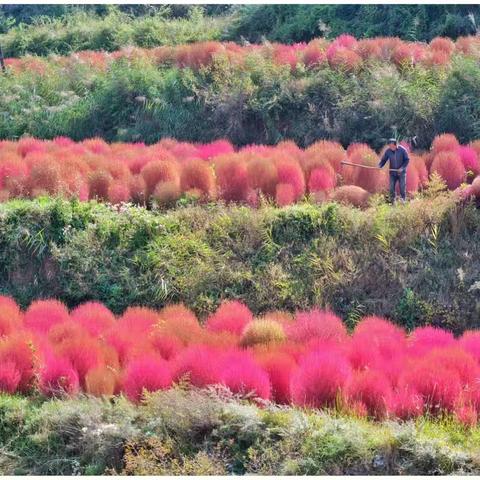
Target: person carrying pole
[[398, 158]]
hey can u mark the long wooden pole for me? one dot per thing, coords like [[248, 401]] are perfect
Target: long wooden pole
[[368, 166]]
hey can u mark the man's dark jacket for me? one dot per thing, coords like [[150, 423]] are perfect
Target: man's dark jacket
[[398, 158]]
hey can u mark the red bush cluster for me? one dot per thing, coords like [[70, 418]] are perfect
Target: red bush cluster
[[163, 172], [343, 53], [377, 370]]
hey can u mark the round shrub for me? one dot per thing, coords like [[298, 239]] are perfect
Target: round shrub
[[231, 316], [9, 377], [200, 364], [262, 331], [101, 381], [242, 376], [94, 317], [58, 378], [317, 324], [147, 374], [279, 367], [42, 315], [351, 195], [319, 379], [372, 389], [449, 166]]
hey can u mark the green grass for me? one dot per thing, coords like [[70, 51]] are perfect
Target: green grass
[[382, 261], [194, 432]]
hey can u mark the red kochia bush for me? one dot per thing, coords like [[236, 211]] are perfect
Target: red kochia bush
[[198, 175], [450, 167], [167, 347], [231, 316], [159, 171], [98, 184], [58, 378], [372, 389], [314, 54], [317, 324], [290, 173], [138, 320], [83, 354], [199, 364], [424, 339], [351, 195], [445, 143], [44, 314], [319, 379], [470, 342], [469, 159], [457, 360], [180, 322], [440, 388], [145, 374], [263, 176], [407, 404], [284, 194], [241, 375], [101, 381], [17, 349], [279, 367], [219, 147], [321, 179], [377, 343], [232, 179], [9, 377], [373, 181], [94, 317], [118, 192], [11, 318]]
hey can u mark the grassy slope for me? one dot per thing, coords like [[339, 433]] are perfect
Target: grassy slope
[[417, 263], [190, 432]]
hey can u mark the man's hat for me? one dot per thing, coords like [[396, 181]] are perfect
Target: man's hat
[[392, 140]]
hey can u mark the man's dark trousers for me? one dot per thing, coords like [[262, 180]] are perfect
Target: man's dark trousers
[[401, 178]]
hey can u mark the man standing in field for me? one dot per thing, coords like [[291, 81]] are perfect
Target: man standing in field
[[398, 158]]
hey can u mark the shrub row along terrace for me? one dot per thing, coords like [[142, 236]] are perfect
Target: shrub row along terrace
[[162, 173]]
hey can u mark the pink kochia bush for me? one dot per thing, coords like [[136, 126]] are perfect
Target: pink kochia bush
[[377, 370], [159, 174], [344, 53]]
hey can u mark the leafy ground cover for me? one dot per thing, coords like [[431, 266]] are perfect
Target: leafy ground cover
[[185, 432]]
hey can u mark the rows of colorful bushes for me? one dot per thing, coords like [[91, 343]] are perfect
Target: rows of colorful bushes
[[169, 169], [307, 359], [344, 53]]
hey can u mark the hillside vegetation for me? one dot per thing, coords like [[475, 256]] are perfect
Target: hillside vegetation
[[297, 23], [83, 31], [350, 91], [416, 264]]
